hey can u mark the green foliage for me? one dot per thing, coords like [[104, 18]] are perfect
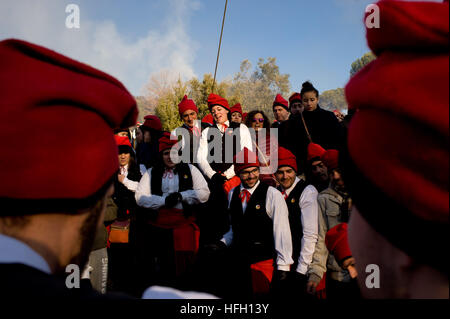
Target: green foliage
[[254, 90], [333, 99], [258, 89], [358, 64], [167, 107]]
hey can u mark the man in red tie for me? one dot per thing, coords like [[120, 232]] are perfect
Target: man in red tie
[[259, 236], [301, 200]]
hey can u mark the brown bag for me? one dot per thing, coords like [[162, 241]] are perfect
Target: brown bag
[[119, 231]]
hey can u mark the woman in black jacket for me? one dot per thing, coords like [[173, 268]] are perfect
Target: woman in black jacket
[[322, 127]]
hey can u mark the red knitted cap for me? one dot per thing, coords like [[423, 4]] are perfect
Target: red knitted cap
[[187, 104], [286, 158], [153, 122], [315, 151], [279, 100], [245, 159], [336, 241], [214, 99], [69, 109]]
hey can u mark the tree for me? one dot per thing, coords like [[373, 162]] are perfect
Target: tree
[[358, 64], [334, 99], [253, 89], [167, 106], [257, 90]]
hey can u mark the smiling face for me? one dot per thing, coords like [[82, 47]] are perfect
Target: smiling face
[[249, 176], [285, 176], [310, 100], [189, 117], [236, 117], [219, 114], [257, 121]]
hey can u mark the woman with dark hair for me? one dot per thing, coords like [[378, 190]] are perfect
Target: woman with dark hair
[[122, 235], [263, 142], [314, 124]]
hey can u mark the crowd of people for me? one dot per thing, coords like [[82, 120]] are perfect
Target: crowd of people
[[230, 205], [185, 221]]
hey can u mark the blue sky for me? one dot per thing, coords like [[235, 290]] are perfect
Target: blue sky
[[312, 40]]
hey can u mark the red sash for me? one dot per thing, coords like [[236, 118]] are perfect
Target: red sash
[[231, 183], [186, 235], [262, 276]]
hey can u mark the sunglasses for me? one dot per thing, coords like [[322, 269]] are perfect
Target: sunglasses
[[258, 120]]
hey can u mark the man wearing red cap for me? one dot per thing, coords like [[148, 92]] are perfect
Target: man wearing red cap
[[218, 145], [190, 131], [169, 194], [301, 200], [54, 198], [259, 235], [334, 208], [316, 171], [396, 163], [280, 109]]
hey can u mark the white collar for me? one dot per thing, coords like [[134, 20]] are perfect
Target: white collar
[[251, 190], [13, 251], [289, 190]]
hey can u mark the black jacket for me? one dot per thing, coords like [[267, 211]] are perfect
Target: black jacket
[[323, 127]]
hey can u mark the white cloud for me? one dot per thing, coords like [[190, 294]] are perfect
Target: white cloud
[[100, 43]]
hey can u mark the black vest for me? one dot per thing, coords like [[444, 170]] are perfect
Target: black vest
[[295, 219], [252, 230], [123, 197], [184, 178], [184, 182], [222, 166], [192, 152]]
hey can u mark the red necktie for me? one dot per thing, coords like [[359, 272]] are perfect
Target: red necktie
[[168, 173], [195, 131], [224, 127], [244, 196], [284, 194]]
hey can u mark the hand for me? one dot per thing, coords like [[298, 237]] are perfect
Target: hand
[[348, 262], [311, 287], [121, 178], [218, 179], [280, 275], [172, 199]]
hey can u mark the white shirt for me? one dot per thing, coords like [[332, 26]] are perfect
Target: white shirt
[[277, 210], [310, 224], [170, 184], [202, 155], [13, 251], [131, 185]]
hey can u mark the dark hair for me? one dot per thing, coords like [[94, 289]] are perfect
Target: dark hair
[[308, 87], [251, 114]]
